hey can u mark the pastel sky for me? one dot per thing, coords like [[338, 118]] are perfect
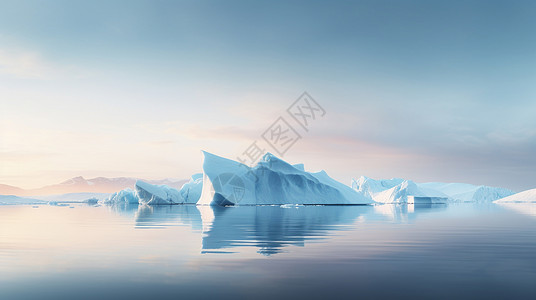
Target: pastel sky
[[424, 90]]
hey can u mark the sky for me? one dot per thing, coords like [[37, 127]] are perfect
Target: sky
[[423, 90]]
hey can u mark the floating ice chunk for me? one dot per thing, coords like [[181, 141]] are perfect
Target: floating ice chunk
[[271, 181]]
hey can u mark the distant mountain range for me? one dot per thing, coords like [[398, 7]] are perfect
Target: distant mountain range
[[82, 185]]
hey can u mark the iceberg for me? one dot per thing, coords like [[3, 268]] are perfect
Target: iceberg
[[271, 182], [191, 191], [463, 192], [370, 187], [151, 194], [408, 192], [126, 196], [397, 190], [528, 196]]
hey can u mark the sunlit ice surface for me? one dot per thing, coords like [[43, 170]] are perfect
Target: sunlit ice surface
[[264, 252]]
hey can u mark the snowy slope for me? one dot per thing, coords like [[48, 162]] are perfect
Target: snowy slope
[[271, 182], [463, 192], [526, 196]]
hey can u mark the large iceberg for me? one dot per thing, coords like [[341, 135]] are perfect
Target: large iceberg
[[526, 196], [157, 194], [126, 196], [271, 182]]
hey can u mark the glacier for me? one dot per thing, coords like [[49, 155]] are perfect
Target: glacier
[[528, 196], [271, 181]]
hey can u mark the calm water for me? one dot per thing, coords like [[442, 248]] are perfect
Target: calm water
[[315, 252]]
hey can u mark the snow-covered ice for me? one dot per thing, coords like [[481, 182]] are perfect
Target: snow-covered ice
[[525, 196], [271, 182]]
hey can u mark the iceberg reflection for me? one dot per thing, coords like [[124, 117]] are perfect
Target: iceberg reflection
[[269, 228]]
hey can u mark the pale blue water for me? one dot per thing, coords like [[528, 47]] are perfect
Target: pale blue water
[[464, 251]]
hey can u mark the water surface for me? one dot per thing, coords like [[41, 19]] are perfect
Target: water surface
[[466, 251]]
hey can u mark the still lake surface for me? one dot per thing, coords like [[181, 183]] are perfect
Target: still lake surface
[[463, 251]]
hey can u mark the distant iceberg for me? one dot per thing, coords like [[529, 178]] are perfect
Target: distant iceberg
[[370, 187], [398, 190], [271, 182], [408, 192], [463, 192], [528, 196]]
